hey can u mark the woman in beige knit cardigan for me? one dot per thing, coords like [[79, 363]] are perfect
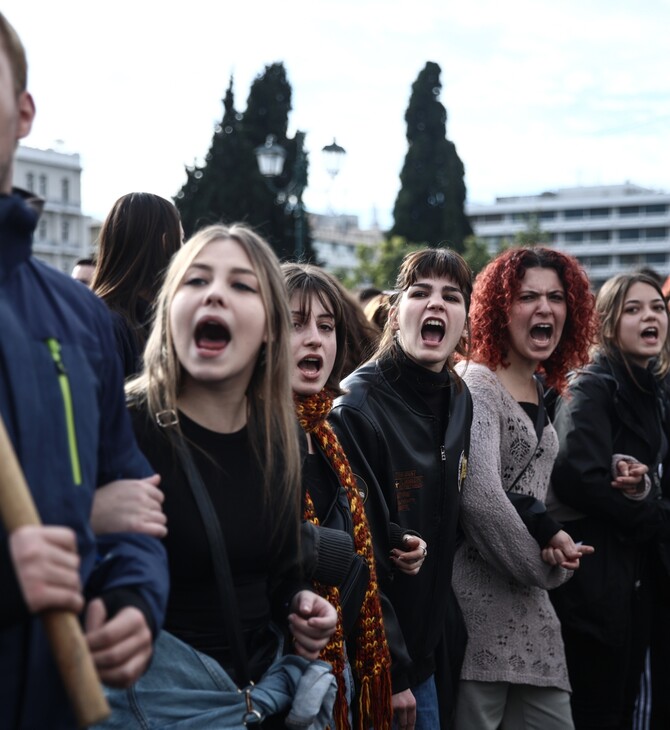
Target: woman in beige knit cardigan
[[531, 311]]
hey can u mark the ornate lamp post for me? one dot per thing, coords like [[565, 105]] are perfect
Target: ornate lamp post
[[271, 157]]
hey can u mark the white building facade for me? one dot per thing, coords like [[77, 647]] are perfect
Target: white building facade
[[336, 238], [62, 234], [609, 228]]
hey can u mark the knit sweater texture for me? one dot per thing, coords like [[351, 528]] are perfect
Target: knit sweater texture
[[499, 577]]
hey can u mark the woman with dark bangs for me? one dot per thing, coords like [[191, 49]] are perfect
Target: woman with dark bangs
[[404, 423], [532, 313], [615, 405]]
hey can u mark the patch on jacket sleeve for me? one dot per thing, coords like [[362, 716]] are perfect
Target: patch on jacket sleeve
[[462, 469], [361, 488]]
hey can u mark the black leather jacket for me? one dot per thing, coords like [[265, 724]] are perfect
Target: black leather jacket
[[410, 473], [603, 414]]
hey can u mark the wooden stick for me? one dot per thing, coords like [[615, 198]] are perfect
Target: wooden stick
[[68, 644]]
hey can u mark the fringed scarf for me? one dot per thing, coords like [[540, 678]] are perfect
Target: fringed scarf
[[372, 660]]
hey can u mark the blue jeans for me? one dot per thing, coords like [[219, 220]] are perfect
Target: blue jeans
[[427, 712]]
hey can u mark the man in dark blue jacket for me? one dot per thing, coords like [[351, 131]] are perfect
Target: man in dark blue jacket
[[61, 400]]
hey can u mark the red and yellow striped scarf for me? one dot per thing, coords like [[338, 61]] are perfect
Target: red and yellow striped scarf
[[372, 660]]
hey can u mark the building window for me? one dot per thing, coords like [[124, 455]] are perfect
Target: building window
[[574, 237], [600, 236], [657, 209], [600, 212], [595, 260], [631, 259], [629, 234], [630, 210], [43, 230], [547, 215], [30, 182], [655, 258], [655, 234], [65, 190], [576, 213], [43, 186], [65, 231]]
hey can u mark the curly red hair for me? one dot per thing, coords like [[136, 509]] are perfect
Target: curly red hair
[[492, 297]]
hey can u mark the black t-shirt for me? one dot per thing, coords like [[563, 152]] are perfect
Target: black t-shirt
[[265, 570]]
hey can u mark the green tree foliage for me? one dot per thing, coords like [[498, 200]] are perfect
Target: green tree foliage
[[532, 235], [379, 267], [476, 254], [429, 207], [229, 186]]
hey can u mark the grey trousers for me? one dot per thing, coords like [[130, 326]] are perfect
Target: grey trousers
[[505, 706]]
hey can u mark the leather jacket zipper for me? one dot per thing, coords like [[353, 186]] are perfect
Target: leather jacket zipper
[[66, 392]]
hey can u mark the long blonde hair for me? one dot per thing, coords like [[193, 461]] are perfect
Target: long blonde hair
[[273, 430]]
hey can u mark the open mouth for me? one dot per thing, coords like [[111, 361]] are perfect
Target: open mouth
[[211, 335], [650, 334], [432, 331], [310, 365], [541, 332]]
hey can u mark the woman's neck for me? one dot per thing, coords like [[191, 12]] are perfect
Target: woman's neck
[[214, 407], [518, 380]]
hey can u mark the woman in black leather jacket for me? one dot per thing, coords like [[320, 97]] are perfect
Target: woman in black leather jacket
[[404, 423], [614, 407]]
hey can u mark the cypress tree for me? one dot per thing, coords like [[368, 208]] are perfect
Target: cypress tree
[[429, 208], [229, 186]]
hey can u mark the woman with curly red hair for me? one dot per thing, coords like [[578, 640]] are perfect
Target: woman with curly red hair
[[532, 313]]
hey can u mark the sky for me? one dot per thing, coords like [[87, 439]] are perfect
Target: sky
[[539, 94]]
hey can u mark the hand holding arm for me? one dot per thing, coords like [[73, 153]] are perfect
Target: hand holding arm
[[630, 476], [129, 505], [121, 647], [312, 623], [47, 567], [562, 550], [410, 559]]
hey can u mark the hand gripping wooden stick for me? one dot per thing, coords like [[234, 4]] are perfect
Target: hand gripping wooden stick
[[65, 635]]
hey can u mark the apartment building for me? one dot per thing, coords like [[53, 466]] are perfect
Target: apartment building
[[335, 239], [62, 234], [609, 228]]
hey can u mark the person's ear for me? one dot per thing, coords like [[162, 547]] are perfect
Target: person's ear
[[393, 318], [26, 107]]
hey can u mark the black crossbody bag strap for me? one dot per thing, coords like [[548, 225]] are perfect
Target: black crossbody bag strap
[[224, 579], [539, 428]]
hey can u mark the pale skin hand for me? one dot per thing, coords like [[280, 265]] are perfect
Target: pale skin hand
[[130, 505], [563, 551], [404, 709], [312, 623], [410, 559], [630, 477], [47, 567], [121, 647]]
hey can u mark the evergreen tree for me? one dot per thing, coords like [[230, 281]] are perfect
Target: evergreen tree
[[429, 208], [229, 186]]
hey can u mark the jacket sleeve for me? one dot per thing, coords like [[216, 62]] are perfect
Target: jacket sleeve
[[586, 423], [359, 439], [489, 520], [125, 560]]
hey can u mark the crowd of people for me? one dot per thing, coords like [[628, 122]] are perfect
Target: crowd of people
[[274, 503]]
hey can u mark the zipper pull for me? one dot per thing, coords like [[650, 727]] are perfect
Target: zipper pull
[[54, 348], [443, 453]]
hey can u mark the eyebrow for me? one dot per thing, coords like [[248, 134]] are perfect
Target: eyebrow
[[429, 287], [639, 301], [207, 267]]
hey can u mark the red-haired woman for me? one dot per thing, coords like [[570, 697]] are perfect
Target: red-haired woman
[[532, 313]]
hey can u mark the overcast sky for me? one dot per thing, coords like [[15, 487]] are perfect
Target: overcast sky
[[539, 94]]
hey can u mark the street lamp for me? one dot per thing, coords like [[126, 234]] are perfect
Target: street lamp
[[333, 156], [271, 157]]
